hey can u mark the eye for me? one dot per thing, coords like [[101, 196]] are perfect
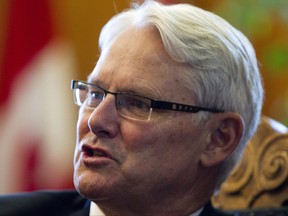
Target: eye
[[137, 103], [133, 106], [140, 104], [132, 102], [96, 95]]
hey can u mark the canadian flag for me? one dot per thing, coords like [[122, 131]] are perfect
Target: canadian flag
[[37, 115]]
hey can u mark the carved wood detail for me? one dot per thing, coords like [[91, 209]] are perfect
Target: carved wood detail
[[260, 180]]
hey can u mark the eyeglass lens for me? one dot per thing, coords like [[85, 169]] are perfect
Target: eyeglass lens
[[128, 105]]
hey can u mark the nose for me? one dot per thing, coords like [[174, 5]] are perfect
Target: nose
[[104, 119]]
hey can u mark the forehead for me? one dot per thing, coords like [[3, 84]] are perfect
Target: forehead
[[137, 59]]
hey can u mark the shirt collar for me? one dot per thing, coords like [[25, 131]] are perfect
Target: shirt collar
[[96, 211]]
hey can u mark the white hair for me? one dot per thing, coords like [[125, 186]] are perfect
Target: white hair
[[221, 70]]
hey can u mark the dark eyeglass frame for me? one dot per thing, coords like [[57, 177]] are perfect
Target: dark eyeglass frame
[[155, 104]]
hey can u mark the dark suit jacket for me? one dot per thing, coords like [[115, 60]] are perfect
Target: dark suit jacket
[[44, 203], [56, 203]]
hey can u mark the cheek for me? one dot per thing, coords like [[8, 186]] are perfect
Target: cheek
[[147, 135], [154, 136], [82, 129], [160, 152], [82, 124], [179, 139]]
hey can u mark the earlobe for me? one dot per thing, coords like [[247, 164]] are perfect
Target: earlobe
[[224, 138]]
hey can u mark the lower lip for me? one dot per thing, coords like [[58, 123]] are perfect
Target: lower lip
[[93, 161]]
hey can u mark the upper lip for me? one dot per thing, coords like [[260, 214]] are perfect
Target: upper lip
[[92, 150]]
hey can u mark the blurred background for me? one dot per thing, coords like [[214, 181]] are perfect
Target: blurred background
[[44, 44]]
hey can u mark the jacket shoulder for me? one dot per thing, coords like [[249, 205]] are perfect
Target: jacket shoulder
[[209, 210], [42, 203]]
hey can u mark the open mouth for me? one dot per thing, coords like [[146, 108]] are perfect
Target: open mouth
[[93, 152]]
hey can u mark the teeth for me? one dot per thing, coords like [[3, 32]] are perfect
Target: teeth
[[98, 154], [94, 153]]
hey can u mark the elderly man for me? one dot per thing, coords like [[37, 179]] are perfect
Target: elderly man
[[163, 117]]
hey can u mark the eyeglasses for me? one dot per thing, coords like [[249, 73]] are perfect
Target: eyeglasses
[[128, 105]]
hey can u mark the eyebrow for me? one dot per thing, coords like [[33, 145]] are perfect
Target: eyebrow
[[95, 82], [144, 91]]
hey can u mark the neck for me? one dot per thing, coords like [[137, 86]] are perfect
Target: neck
[[170, 201]]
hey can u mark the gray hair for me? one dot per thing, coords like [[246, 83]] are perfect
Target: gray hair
[[221, 70]]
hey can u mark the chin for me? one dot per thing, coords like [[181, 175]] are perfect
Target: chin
[[92, 186]]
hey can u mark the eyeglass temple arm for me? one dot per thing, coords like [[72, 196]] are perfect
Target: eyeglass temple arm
[[180, 107]]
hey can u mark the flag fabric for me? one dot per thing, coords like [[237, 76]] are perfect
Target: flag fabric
[[37, 116]]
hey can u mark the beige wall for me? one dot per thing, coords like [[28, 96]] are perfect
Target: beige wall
[[81, 23]]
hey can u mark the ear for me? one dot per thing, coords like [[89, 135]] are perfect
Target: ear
[[226, 133]]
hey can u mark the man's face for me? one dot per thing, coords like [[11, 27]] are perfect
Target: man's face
[[119, 158]]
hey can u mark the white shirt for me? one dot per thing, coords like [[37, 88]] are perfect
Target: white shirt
[[96, 211]]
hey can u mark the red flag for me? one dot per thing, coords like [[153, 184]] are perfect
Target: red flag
[[29, 30], [36, 128]]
